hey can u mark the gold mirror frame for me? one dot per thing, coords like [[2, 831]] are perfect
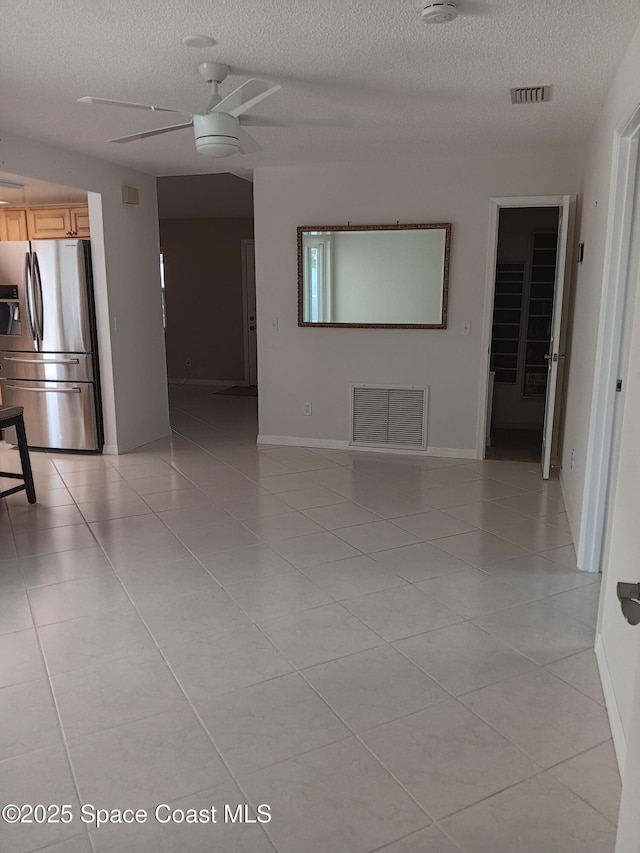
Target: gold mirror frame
[[443, 226]]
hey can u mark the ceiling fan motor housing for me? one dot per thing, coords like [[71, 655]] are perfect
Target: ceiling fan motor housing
[[439, 11], [216, 134]]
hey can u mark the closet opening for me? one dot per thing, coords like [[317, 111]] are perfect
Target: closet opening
[[525, 286]]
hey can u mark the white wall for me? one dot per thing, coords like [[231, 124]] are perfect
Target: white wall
[[623, 97], [126, 273], [315, 364], [617, 644]]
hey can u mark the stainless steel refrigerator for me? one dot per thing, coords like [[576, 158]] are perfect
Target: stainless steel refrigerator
[[48, 343]]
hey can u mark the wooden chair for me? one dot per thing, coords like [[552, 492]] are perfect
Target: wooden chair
[[11, 416]]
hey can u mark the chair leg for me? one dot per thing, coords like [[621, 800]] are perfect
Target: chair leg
[[25, 460]]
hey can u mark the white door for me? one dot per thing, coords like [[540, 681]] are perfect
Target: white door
[[628, 840], [556, 355], [618, 642], [249, 287], [566, 206]]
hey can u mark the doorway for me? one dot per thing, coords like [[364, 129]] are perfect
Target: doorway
[[205, 220], [249, 303], [525, 279], [526, 370]]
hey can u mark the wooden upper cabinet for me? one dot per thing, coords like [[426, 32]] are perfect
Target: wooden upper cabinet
[[45, 222], [80, 220], [13, 224], [49, 222]]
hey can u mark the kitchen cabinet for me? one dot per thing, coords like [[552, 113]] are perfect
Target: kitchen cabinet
[[44, 222], [13, 224], [57, 222], [80, 220], [49, 222]]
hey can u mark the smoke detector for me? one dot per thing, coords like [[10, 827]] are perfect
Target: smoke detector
[[439, 11]]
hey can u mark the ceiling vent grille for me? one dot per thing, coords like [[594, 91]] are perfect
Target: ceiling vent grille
[[383, 416], [530, 94]]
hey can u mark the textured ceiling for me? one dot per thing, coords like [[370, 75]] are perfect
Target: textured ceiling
[[410, 89]]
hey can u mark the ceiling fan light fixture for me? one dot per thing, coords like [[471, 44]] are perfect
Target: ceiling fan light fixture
[[217, 130], [217, 146], [216, 134]]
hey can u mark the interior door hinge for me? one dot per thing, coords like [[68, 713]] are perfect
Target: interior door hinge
[[619, 385]]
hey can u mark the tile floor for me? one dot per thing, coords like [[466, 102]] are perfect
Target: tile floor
[[393, 653]]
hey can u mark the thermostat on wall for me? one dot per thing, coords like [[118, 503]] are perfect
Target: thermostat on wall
[[130, 195]]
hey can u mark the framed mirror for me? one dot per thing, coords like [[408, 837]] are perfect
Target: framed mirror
[[374, 276]]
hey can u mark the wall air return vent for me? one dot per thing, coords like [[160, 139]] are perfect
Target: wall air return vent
[[389, 416], [530, 94]]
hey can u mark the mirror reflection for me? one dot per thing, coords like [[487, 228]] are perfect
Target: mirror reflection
[[384, 276]]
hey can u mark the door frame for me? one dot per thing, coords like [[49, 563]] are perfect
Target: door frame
[[603, 452], [250, 370], [496, 203], [615, 285]]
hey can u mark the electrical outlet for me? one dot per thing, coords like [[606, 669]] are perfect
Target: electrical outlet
[[274, 324], [187, 361], [466, 327], [307, 409]]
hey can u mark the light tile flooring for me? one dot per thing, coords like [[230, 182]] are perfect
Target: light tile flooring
[[393, 653]]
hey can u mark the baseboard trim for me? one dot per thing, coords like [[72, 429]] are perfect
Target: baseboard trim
[[615, 721], [298, 441], [226, 382], [572, 530], [110, 450], [334, 444], [453, 452]]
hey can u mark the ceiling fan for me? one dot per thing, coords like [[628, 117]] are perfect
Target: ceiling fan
[[219, 129]]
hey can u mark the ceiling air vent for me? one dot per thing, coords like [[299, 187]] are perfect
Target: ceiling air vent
[[530, 94]]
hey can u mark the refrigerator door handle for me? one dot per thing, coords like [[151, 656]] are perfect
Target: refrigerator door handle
[[39, 301], [28, 273], [40, 361], [45, 390]]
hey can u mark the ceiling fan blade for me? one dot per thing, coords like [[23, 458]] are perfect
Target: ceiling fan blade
[[146, 133], [245, 97], [248, 145], [285, 121], [89, 99]]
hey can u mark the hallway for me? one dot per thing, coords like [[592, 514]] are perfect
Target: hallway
[[394, 653]]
